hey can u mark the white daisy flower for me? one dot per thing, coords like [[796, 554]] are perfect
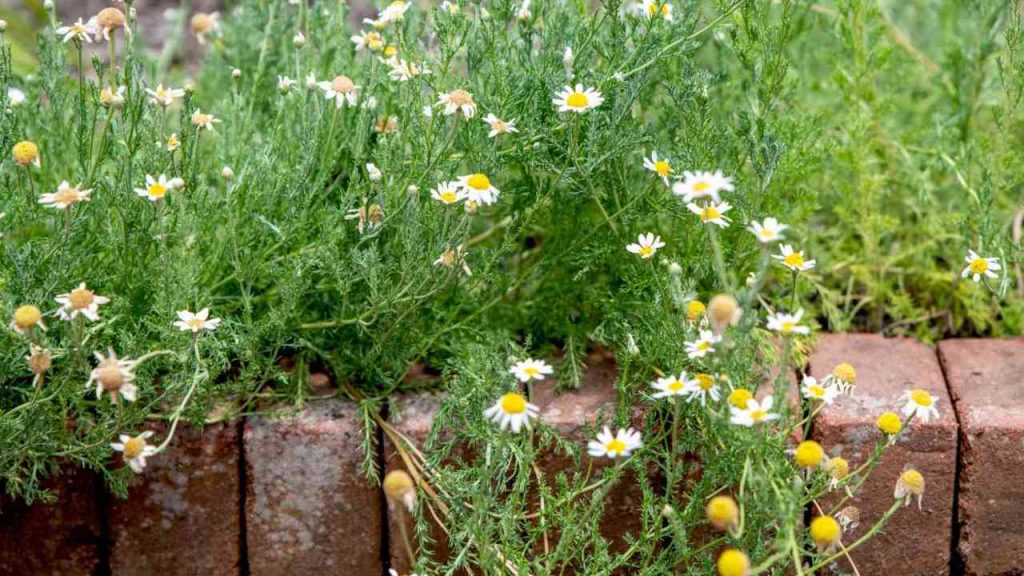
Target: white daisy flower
[[80, 31], [513, 411], [65, 196], [452, 258], [135, 450], [646, 245], [197, 322], [711, 213], [403, 71], [787, 324], [978, 267], [703, 345], [115, 376], [672, 386], [768, 231], [920, 405], [156, 188], [657, 8], [479, 189], [394, 11], [754, 413], [704, 387], [342, 90], [165, 96], [284, 83], [621, 445], [80, 301], [578, 99], [813, 390], [530, 369], [695, 185], [793, 260], [113, 97], [373, 173], [368, 40], [660, 166], [15, 97], [457, 102], [499, 126], [448, 193], [201, 120]]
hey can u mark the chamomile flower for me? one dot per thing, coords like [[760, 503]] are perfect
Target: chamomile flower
[[646, 245], [512, 411], [978, 266], [909, 484], [165, 97], [15, 97], [660, 166], [448, 193], [106, 21], [81, 302], [703, 345], [27, 318], [65, 196], [813, 390], [838, 471], [704, 387], [768, 231], [889, 423], [454, 258], [578, 99], [809, 455], [620, 445], [699, 184], [156, 188], [284, 83], [203, 24], [342, 90], [825, 532], [113, 375], [794, 260], [753, 413], [788, 324], [657, 9], [113, 97], [196, 322], [733, 562], [499, 126], [39, 359], [530, 369], [671, 385], [457, 102], [25, 153], [479, 189], [722, 513], [395, 11], [404, 71], [368, 40], [135, 450], [711, 213], [695, 310], [919, 404], [173, 143], [201, 120], [79, 31]]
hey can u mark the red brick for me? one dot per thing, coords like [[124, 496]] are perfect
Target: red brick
[[914, 542], [57, 538], [310, 509], [986, 380], [182, 515]]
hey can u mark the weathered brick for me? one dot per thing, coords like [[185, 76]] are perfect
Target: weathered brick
[[914, 543], [986, 380], [310, 509], [57, 538], [182, 515]]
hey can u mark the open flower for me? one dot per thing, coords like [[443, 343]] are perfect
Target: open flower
[[499, 126], [65, 196], [368, 40], [703, 345], [79, 31], [448, 193], [660, 166], [113, 97], [578, 99], [530, 369], [787, 324], [165, 97], [711, 213], [201, 120], [823, 392], [768, 231], [15, 97], [342, 90], [792, 259], [621, 445], [479, 189], [156, 188], [27, 318], [704, 387], [695, 185], [657, 9], [978, 267], [284, 83], [115, 376], [672, 386], [81, 302], [135, 450], [403, 71], [909, 484], [919, 404], [197, 322], [754, 413], [513, 411], [646, 245], [457, 102]]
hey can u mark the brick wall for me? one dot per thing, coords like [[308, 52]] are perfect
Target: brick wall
[[287, 495]]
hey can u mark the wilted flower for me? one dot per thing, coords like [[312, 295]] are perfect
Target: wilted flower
[[81, 302], [165, 97], [65, 196], [457, 102], [342, 90], [910, 484], [27, 318], [135, 450], [499, 126], [204, 24], [115, 376]]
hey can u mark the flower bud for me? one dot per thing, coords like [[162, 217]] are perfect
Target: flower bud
[[399, 488]]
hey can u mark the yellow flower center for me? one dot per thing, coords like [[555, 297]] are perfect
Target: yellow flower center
[[448, 196], [978, 266], [646, 250], [722, 512], [616, 446], [921, 398], [703, 345], [110, 375], [342, 84], [27, 316], [653, 9], [196, 323], [577, 100], [766, 233], [809, 454], [663, 168], [500, 126], [531, 371], [705, 381], [739, 397], [758, 415], [81, 298], [479, 182], [701, 186], [513, 403], [912, 481], [110, 18], [66, 196], [25, 153], [202, 23], [675, 386], [890, 423], [732, 562], [460, 97], [794, 260], [845, 372], [133, 447], [788, 327], [825, 530], [816, 391], [694, 310], [374, 41], [709, 213], [839, 468], [156, 190]]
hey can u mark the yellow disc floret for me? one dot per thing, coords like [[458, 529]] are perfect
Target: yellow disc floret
[[733, 562], [27, 316], [890, 423], [739, 398], [694, 310], [825, 531], [722, 512], [845, 372], [809, 454], [513, 403], [25, 152]]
